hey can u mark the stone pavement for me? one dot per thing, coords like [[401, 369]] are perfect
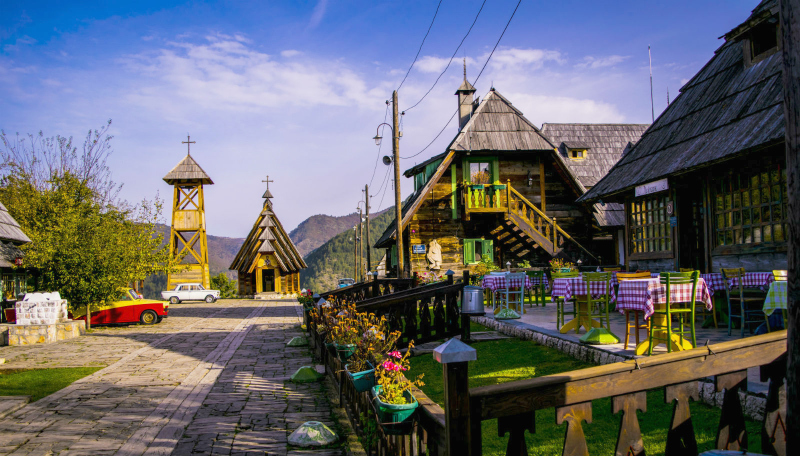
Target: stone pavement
[[210, 379]]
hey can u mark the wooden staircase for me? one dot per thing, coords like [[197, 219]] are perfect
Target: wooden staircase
[[525, 226]]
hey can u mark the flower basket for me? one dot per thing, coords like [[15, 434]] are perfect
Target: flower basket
[[345, 351], [395, 419], [563, 270], [362, 381]]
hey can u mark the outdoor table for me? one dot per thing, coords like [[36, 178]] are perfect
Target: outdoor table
[[500, 282], [647, 294], [776, 297], [715, 282], [569, 287], [760, 280]]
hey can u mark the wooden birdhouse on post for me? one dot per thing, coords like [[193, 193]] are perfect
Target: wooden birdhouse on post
[[188, 232]]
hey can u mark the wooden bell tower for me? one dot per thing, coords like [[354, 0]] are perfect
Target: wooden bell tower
[[188, 232]]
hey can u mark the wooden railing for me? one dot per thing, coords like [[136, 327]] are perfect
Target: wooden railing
[[365, 290], [485, 197], [513, 404]]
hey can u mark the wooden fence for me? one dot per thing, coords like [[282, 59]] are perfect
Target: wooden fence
[[365, 290]]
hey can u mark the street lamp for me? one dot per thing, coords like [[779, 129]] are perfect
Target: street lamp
[[398, 209]]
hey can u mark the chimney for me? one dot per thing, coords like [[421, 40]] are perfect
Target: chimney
[[465, 102]]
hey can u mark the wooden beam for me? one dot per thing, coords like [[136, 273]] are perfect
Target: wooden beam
[[541, 182]]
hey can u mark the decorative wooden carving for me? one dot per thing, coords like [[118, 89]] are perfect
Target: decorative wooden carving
[[773, 433], [680, 438], [575, 440], [629, 441], [516, 426], [732, 434]]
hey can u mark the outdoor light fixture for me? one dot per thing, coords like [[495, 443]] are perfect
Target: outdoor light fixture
[[508, 265], [530, 179], [377, 139]]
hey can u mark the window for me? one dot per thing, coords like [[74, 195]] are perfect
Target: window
[[422, 177], [763, 38], [577, 154], [649, 225], [476, 250], [481, 170], [751, 207]]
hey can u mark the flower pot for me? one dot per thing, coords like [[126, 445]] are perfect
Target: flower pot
[[394, 413], [362, 381], [345, 351], [563, 270]]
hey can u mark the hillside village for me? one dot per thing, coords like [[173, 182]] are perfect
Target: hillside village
[[516, 269]]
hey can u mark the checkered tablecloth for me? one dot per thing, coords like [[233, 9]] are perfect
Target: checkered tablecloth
[[499, 282], [715, 282], [575, 286], [643, 294], [776, 297], [754, 280]]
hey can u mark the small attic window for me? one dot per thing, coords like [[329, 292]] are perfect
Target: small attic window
[[577, 154], [764, 39]]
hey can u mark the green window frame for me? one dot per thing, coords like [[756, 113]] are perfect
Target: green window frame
[[476, 250], [422, 177], [393, 257], [492, 162]]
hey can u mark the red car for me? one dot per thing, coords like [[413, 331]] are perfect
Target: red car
[[128, 308]]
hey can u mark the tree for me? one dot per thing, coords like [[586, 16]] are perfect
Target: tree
[[226, 286], [86, 243]]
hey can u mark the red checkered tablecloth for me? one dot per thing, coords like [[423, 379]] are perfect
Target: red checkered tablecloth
[[643, 294], [498, 282], [575, 286], [754, 280]]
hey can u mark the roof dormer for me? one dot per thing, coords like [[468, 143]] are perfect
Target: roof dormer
[[576, 150], [759, 34]]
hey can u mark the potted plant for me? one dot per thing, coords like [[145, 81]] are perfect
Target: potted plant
[[394, 402], [375, 340], [559, 265], [345, 332]]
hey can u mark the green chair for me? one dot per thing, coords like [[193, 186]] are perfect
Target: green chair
[[561, 311], [598, 307], [536, 293], [661, 320], [750, 300]]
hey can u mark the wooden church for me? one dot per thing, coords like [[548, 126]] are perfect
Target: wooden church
[[505, 191], [268, 262]]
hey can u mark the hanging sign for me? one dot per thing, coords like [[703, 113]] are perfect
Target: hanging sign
[[652, 187], [418, 248]]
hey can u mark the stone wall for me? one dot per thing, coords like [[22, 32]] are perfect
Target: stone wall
[[44, 334], [751, 262], [660, 265]]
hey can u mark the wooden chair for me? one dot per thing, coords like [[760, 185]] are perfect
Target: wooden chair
[[750, 301], [673, 308], [621, 277], [687, 269], [781, 275], [536, 293], [614, 269], [704, 313], [514, 296], [561, 311], [598, 307]]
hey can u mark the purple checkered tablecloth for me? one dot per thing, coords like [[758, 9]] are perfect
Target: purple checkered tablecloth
[[754, 280], [575, 286], [498, 282], [715, 282], [643, 294]]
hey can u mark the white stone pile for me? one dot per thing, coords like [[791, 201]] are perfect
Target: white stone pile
[[41, 309]]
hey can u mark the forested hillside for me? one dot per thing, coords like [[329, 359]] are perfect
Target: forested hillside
[[319, 229], [334, 259]]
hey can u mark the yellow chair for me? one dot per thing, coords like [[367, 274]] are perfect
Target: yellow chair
[[687, 269], [621, 277], [614, 269]]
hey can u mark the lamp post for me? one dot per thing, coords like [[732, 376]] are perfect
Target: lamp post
[[398, 210]]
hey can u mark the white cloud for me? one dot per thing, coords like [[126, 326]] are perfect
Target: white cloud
[[431, 64], [20, 42], [318, 13], [515, 57], [601, 62], [290, 53]]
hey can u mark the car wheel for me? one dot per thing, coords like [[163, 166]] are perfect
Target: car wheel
[[209, 299], [148, 317], [158, 320], [174, 300]]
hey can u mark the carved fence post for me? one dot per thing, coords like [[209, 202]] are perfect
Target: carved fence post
[[455, 356]]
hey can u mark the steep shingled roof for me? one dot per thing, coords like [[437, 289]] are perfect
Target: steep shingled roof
[[725, 110], [187, 171], [9, 228]]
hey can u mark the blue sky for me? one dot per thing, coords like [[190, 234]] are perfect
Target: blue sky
[[295, 89]]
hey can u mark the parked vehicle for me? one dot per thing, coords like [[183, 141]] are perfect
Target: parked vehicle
[[346, 282], [128, 307], [190, 292]]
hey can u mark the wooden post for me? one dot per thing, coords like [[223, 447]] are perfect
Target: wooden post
[[398, 202], [791, 108], [455, 356], [508, 195], [541, 182], [369, 247], [555, 231], [88, 316]]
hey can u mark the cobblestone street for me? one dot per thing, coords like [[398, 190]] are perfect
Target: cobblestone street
[[210, 379]]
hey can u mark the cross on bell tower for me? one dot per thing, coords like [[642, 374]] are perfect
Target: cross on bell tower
[[267, 193], [189, 143], [187, 238]]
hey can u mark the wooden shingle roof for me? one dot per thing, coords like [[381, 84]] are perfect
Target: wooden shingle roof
[[727, 109], [9, 228], [187, 172]]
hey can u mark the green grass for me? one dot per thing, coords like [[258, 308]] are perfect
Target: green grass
[[513, 359], [38, 383]]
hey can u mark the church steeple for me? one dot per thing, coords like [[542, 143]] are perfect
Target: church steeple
[[465, 98]]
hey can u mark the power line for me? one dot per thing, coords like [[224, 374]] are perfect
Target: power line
[[451, 58], [420, 45], [476, 79]]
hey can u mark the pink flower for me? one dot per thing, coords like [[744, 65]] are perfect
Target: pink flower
[[395, 354], [390, 366]]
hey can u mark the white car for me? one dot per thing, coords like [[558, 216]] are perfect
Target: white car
[[189, 292]]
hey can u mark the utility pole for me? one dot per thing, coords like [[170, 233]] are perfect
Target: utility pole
[[360, 247], [355, 253], [369, 246], [398, 209]]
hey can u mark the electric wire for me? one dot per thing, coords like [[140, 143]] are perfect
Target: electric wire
[[451, 58], [476, 80], [420, 45], [377, 159]]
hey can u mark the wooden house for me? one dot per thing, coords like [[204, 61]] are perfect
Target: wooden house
[[705, 187], [13, 275], [268, 261], [503, 190]]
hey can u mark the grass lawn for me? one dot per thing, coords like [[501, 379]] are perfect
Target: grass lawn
[[513, 359], [38, 383]]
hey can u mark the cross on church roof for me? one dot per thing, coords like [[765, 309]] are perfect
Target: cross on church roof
[[267, 193], [189, 143]]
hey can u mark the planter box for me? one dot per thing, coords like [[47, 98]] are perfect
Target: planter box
[[362, 381], [345, 351], [395, 419]]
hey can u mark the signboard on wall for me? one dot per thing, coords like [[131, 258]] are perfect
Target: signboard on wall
[[652, 187], [418, 248]]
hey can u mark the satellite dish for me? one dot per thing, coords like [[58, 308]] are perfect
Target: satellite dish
[[387, 160]]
